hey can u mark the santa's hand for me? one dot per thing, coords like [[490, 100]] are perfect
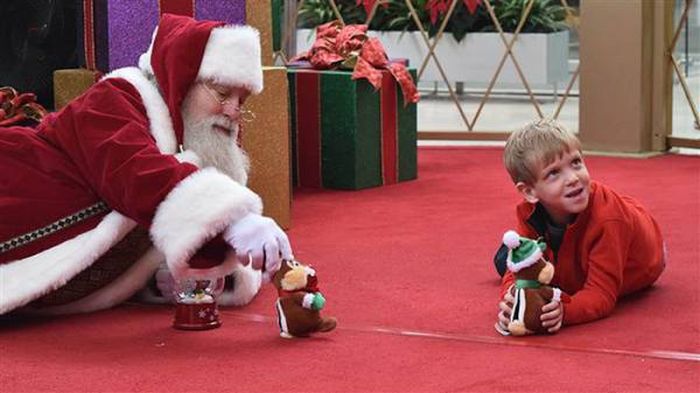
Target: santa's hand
[[552, 316], [258, 240]]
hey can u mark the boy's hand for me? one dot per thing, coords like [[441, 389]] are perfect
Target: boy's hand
[[505, 307], [552, 316]]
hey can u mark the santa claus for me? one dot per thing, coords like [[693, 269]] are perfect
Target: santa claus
[[139, 175]]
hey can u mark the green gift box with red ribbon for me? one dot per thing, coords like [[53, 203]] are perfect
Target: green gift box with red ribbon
[[348, 135]]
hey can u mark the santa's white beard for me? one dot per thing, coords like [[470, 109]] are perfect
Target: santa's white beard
[[217, 148]]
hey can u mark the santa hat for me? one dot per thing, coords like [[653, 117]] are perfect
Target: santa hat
[[184, 50], [522, 252]]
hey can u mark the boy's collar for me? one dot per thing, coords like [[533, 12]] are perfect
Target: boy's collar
[[541, 220], [538, 218]]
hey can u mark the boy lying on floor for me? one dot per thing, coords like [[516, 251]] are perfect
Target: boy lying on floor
[[603, 245]]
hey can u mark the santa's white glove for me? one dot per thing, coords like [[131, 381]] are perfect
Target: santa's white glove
[[258, 240]]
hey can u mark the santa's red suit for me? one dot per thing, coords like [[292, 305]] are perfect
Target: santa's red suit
[[95, 198]]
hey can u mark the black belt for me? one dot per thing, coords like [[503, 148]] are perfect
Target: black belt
[[55, 226]]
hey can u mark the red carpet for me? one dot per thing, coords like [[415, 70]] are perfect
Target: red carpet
[[407, 271]]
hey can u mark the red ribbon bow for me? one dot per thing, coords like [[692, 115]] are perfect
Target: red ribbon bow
[[349, 47], [16, 109]]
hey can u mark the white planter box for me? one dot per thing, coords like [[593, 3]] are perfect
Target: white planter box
[[543, 57]]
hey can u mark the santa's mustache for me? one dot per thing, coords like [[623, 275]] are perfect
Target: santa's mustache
[[221, 122]]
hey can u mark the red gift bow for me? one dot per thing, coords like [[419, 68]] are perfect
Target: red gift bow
[[349, 47], [15, 108]]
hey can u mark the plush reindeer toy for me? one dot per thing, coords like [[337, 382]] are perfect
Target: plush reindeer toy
[[532, 274], [299, 302]]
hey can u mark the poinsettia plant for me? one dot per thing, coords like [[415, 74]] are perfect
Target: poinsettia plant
[[468, 15]]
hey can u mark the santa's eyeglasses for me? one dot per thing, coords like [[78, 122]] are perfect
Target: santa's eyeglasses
[[223, 98]]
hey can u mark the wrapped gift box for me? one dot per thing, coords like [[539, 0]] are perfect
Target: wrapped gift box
[[267, 141], [114, 33], [68, 84], [259, 14], [347, 135]]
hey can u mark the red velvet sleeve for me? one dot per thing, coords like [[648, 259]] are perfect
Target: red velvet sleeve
[[106, 133], [606, 261]]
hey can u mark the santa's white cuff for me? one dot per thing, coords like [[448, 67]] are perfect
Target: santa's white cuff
[[196, 210]]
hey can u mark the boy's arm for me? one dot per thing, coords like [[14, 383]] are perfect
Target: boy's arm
[[606, 262]]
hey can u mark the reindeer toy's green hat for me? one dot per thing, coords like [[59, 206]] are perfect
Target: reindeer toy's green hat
[[522, 251]]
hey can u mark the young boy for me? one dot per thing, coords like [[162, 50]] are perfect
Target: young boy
[[603, 245]]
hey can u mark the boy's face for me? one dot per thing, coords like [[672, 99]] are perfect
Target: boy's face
[[561, 186]]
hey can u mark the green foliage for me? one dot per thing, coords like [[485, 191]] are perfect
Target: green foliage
[[462, 22], [544, 17], [396, 16], [318, 12]]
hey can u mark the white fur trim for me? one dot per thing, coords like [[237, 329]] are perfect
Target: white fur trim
[[527, 262], [232, 56], [118, 291], [161, 125], [308, 300], [197, 209], [246, 284], [189, 156], [27, 279]]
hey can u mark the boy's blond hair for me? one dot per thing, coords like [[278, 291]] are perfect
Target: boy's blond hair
[[539, 142]]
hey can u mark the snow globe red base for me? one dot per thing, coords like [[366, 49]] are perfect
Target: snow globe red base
[[195, 307]]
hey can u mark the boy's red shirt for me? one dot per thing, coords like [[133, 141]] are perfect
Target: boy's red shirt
[[613, 248]]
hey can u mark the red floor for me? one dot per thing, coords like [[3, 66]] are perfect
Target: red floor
[[407, 271]]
